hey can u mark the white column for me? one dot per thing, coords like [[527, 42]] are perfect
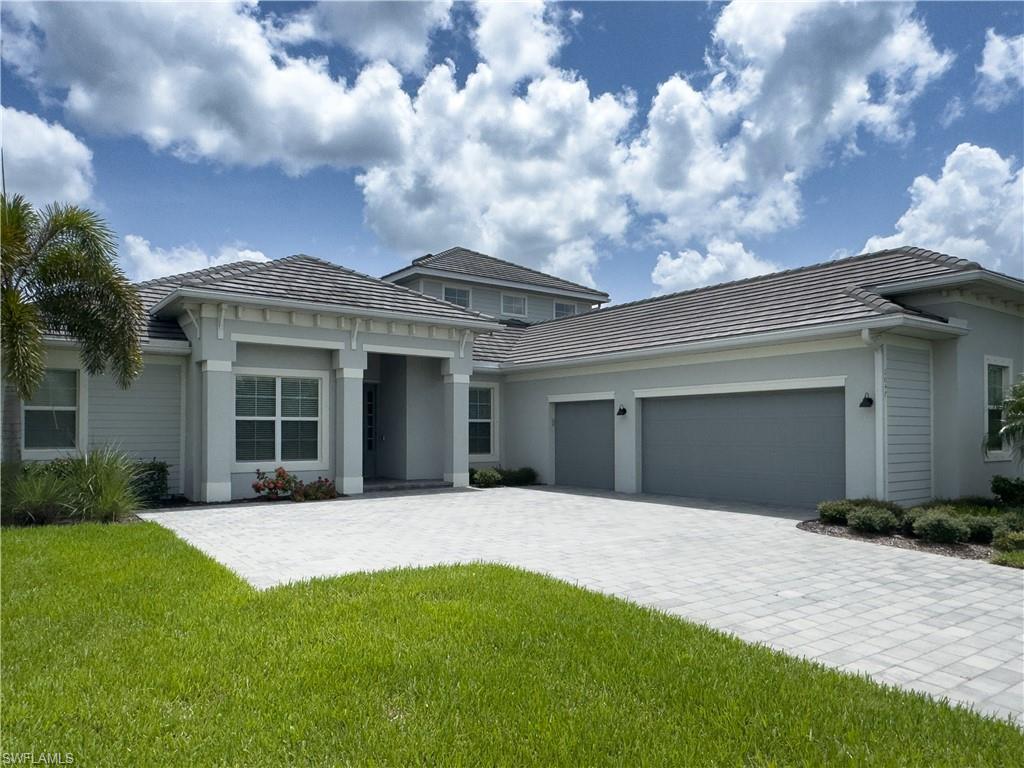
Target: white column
[[456, 420], [348, 430], [627, 443], [217, 432]]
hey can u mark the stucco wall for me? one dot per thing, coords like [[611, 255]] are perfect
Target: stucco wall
[[525, 408]]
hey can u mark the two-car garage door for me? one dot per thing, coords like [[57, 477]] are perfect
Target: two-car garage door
[[781, 447]]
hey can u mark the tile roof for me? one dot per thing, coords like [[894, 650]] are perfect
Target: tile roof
[[308, 279], [463, 261], [818, 294], [497, 346]]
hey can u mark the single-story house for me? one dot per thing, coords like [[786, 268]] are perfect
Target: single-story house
[[878, 375]]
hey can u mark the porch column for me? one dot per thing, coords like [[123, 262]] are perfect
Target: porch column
[[218, 409], [348, 422], [456, 420]]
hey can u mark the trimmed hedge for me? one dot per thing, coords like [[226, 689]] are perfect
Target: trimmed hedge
[[941, 526], [488, 477], [150, 481], [521, 476], [1010, 491], [1009, 541], [872, 520], [835, 512]]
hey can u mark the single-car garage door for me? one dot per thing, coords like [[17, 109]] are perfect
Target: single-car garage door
[[585, 444], [784, 447]]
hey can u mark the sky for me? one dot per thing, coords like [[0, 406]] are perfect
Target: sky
[[643, 148]]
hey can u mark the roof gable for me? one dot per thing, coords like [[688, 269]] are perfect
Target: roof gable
[[472, 264]]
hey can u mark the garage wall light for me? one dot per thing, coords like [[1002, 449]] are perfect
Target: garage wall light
[[867, 401], [621, 411]]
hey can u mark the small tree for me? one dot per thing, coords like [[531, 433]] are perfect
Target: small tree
[[1013, 419], [59, 274]]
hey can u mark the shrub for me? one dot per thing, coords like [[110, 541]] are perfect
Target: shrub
[[835, 512], [521, 476], [1009, 491], [488, 477], [1009, 541], [102, 484], [38, 496], [151, 481], [982, 527], [907, 519], [941, 526], [275, 486], [891, 506], [317, 490], [872, 520], [1011, 559]]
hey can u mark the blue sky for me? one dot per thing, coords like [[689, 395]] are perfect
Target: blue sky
[[642, 147]]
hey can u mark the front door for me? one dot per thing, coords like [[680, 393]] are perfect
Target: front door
[[370, 424]]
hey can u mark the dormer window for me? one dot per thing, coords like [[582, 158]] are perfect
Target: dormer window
[[513, 304], [564, 309], [458, 296]]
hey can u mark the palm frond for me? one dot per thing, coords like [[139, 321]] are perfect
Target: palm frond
[[21, 343]]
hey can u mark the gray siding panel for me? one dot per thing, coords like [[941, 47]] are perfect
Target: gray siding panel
[[908, 417], [143, 420]]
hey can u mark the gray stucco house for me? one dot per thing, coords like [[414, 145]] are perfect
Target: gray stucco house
[[878, 375]]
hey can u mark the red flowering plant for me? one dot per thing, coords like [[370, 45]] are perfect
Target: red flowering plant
[[276, 486], [315, 490]]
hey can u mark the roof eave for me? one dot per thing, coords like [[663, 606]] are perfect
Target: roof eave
[[182, 294], [595, 297], [915, 325], [950, 279]]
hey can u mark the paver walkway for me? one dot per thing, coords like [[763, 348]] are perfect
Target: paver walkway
[[951, 628]]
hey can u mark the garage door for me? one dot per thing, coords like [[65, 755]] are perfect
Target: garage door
[[770, 447], [585, 444]]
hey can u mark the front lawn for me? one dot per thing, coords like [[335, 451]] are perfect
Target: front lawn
[[124, 646]]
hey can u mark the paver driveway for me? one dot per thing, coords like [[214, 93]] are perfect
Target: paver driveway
[[949, 627]]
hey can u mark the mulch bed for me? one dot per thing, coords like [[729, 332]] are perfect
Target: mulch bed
[[963, 551]]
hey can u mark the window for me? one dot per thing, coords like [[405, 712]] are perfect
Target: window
[[458, 296], [277, 418], [513, 305], [481, 421], [51, 416], [563, 309], [997, 389]]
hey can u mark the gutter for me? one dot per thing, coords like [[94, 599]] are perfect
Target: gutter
[[598, 297], [315, 307], [886, 323], [153, 346]]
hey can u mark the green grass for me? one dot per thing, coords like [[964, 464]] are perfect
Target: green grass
[[124, 646], [1012, 559]]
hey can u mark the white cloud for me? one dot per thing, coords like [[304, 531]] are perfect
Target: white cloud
[[141, 261], [724, 261], [517, 40], [398, 32], [521, 160], [1001, 72], [44, 161], [974, 210], [790, 83], [952, 112], [204, 81]]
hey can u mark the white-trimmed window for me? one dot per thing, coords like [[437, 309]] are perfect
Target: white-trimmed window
[[481, 421], [458, 296], [513, 304], [997, 389], [564, 309], [50, 418], [279, 419]]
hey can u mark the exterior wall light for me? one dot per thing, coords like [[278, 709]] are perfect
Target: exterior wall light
[[867, 401], [621, 411]]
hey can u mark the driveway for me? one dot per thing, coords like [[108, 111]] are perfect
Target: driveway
[[948, 627]]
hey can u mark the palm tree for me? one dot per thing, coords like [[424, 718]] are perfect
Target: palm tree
[[1013, 419], [59, 274]]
